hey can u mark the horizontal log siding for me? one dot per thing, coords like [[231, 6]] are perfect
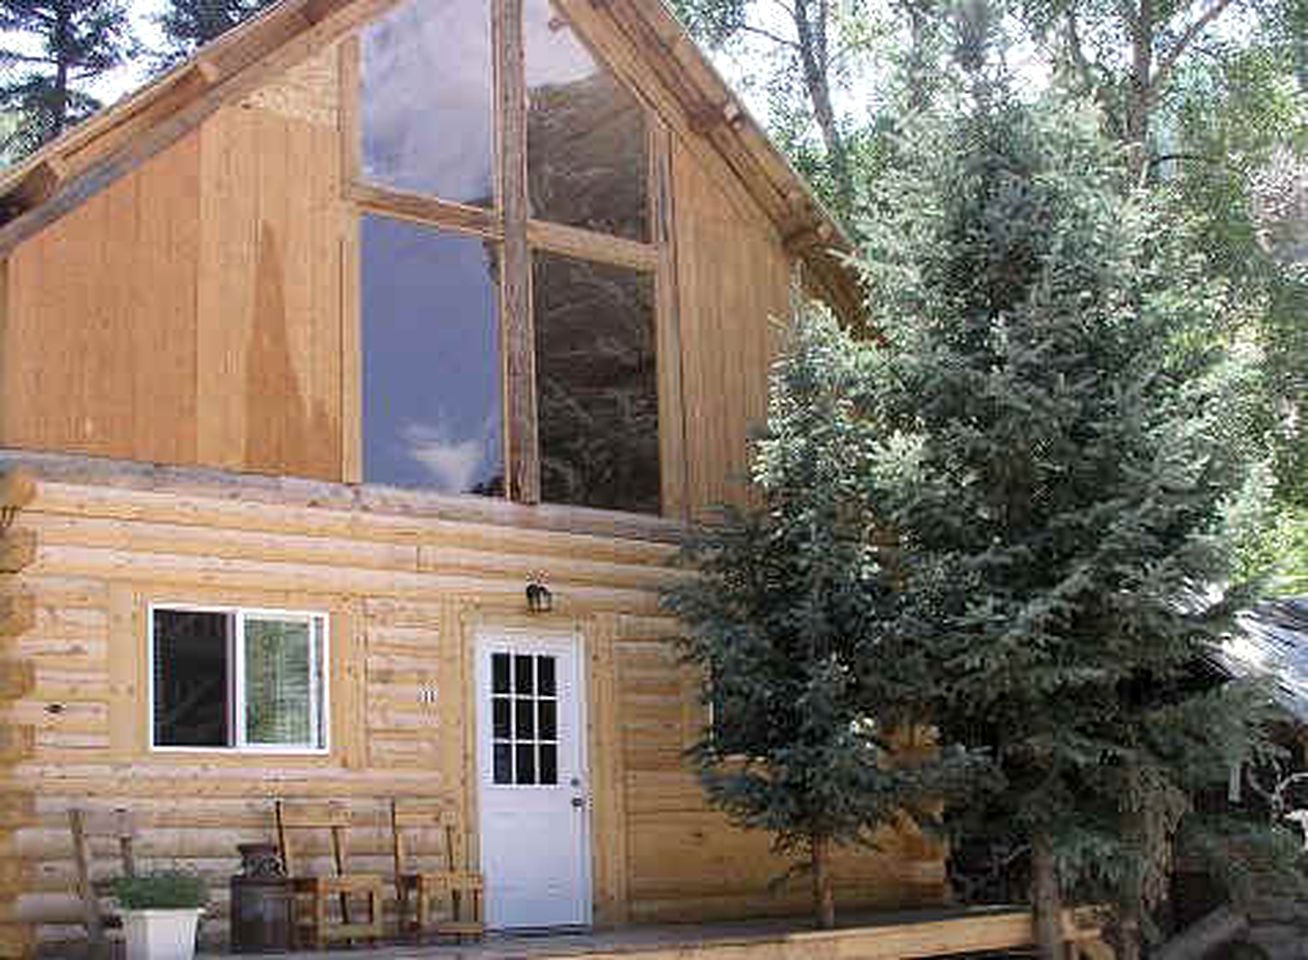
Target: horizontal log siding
[[406, 593]]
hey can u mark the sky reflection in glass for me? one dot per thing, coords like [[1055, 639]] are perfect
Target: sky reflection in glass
[[431, 363]]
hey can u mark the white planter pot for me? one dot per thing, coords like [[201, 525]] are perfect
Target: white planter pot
[[161, 934]]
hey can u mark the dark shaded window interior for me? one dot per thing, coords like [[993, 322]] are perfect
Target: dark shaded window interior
[[427, 100], [192, 687], [597, 384], [432, 402], [587, 154]]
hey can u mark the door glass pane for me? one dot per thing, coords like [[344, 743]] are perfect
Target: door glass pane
[[431, 359], [587, 157], [280, 686], [526, 766], [597, 384], [526, 725], [549, 720], [503, 763], [549, 764], [501, 723], [500, 672], [427, 100], [522, 674], [191, 679], [545, 675]]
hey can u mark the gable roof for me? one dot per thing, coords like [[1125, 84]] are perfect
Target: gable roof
[[94, 154]]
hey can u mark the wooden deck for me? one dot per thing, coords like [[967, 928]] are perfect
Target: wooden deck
[[878, 937]]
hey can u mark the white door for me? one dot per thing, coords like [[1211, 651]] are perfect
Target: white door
[[535, 819]]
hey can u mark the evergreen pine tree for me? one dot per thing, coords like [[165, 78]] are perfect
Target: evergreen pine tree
[[783, 619], [53, 50], [1051, 392], [190, 24]]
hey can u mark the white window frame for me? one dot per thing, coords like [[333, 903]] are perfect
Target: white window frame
[[319, 664]]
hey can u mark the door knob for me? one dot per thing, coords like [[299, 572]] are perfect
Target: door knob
[[578, 802]]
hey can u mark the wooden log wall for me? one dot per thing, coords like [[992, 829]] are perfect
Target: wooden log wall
[[18, 727], [407, 581]]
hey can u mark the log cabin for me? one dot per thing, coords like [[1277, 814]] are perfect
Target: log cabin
[[315, 355]]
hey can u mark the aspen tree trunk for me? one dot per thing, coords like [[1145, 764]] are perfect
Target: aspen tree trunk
[[1140, 28], [1046, 899], [811, 26], [824, 897]]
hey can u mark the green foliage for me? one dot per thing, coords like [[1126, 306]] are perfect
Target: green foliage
[[1055, 456], [163, 890], [53, 50], [786, 615], [190, 24]]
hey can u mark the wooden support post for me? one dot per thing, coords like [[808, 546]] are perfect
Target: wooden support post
[[85, 889], [518, 337]]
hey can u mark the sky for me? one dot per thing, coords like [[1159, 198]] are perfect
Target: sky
[[114, 85]]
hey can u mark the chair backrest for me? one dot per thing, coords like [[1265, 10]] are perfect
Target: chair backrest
[[84, 825], [333, 818], [426, 815]]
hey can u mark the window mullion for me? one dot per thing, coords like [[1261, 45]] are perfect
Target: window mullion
[[516, 332]]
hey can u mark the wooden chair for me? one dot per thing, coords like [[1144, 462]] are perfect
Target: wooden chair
[[310, 894], [85, 825], [462, 886]]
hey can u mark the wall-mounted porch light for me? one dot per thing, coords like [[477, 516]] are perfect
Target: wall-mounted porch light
[[539, 598]]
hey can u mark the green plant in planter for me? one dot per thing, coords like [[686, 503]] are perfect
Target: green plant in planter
[[161, 890]]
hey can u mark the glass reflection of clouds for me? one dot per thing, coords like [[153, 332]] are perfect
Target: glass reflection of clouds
[[431, 363], [427, 100]]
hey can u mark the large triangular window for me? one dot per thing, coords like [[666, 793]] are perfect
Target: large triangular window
[[509, 263]]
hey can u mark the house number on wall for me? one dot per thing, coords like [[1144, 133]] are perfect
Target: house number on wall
[[428, 696]]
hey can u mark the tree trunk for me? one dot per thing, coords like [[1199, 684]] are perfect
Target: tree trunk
[[62, 42], [824, 897], [919, 67], [1138, 105], [813, 57], [1046, 899]]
